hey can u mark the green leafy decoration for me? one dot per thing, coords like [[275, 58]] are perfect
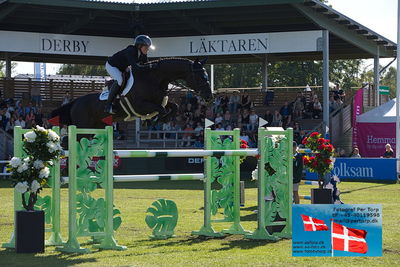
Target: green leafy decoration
[[223, 173], [276, 182], [163, 218]]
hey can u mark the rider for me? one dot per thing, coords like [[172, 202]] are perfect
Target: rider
[[135, 56]]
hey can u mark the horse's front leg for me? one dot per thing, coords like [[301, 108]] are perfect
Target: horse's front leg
[[146, 107], [171, 108]]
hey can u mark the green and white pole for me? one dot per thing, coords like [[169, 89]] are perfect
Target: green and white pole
[[108, 241], [72, 245], [207, 229], [236, 228]]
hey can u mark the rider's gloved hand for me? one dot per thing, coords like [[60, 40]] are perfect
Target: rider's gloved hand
[[153, 66]]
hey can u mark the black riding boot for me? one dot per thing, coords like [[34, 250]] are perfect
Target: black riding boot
[[111, 96]]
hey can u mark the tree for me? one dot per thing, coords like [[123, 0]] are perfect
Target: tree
[[3, 68], [347, 73], [389, 79], [79, 69]]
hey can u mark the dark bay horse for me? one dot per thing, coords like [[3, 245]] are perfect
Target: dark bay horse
[[145, 97]]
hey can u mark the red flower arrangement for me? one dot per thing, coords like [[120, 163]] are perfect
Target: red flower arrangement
[[243, 144], [321, 162]]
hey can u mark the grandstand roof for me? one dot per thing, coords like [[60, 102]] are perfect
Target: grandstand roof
[[167, 18]]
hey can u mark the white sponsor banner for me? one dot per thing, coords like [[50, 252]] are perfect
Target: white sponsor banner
[[235, 44]]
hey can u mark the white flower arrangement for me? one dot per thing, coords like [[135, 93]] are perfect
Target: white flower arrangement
[[30, 137], [31, 173]]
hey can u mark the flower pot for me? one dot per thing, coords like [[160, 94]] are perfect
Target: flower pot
[[29, 231], [321, 196]]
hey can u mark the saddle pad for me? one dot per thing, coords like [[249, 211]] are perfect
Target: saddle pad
[[129, 84], [103, 95]]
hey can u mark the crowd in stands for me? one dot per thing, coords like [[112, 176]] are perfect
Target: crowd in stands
[[234, 110], [14, 113]]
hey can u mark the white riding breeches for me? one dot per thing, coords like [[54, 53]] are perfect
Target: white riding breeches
[[115, 73]]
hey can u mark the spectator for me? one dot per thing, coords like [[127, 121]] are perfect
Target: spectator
[[10, 108], [245, 103], [245, 120], [269, 97], [253, 121], [296, 127], [224, 102], [298, 108], [199, 129], [29, 108], [317, 109], [29, 118], [227, 118], [297, 173], [217, 104], [39, 116], [10, 126], [63, 132], [337, 104], [286, 113], [234, 100], [187, 136], [355, 153], [218, 118], [331, 104], [20, 110], [388, 152], [167, 126], [35, 96], [199, 143], [269, 118], [300, 137], [20, 122], [210, 113], [46, 123], [277, 119], [66, 98], [219, 127], [342, 153], [339, 93]]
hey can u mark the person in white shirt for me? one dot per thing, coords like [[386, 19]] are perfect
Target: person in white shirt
[[219, 127], [218, 118], [20, 122], [234, 100], [253, 121]]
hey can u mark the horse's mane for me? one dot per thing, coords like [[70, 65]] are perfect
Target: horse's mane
[[172, 60]]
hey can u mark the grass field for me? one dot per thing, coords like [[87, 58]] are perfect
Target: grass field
[[185, 250]]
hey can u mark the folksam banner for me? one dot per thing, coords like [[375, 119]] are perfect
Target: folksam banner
[[362, 169]]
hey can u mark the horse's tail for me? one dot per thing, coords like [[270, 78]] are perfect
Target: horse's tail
[[64, 113]]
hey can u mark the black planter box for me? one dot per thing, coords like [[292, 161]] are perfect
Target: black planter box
[[321, 196], [29, 231]]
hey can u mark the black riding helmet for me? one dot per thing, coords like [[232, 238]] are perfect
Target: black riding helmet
[[142, 40]]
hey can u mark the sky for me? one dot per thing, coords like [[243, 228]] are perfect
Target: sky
[[379, 16]]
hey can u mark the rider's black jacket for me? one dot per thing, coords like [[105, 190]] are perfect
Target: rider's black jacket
[[129, 57]]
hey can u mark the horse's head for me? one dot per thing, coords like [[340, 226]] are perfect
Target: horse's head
[[198, 80]]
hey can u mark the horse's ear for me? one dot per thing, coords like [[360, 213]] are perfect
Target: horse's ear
[[202, 62]]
